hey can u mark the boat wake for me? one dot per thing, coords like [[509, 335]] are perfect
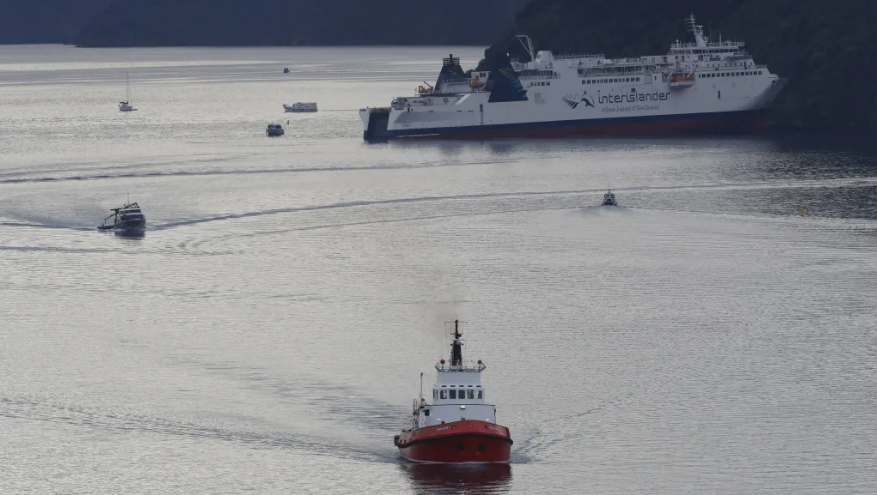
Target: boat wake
[[119, 420], [13, 179]]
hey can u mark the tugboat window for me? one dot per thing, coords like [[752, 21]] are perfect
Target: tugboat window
[[470, 394], [444, 394], [453, 394], [480, 394], [426, 412]]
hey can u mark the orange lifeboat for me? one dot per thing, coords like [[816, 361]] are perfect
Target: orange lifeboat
[[682, 81], [476, 83]]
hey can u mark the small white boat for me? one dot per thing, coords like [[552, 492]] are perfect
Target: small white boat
[[125, 106], [609, 199], [274, 130], [300, 107]]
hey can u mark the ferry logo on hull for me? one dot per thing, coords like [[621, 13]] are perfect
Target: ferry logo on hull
[[575, 99], [634, 97]]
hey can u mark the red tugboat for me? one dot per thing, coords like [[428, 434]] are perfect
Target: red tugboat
[[460, 425]]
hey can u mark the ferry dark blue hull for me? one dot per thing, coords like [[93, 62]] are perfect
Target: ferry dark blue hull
[[702, 123]]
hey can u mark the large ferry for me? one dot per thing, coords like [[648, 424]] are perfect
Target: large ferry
[[459, 426], [697, 87]]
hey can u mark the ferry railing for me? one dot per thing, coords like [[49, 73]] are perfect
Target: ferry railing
[[609, 72], [539, 75], [714, 44], [575, 56]]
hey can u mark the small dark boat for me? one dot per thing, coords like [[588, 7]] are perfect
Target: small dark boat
[[274, 130], [127, 221], [286, 70], [609, 199]]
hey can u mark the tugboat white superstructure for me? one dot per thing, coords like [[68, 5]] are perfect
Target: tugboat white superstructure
[[460, 425], [697, 87]]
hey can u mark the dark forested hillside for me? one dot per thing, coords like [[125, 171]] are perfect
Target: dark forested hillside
[[827, 48], [298, 22], [45, 21]]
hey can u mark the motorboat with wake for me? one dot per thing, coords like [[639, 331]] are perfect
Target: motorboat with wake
[[459, 426], [609, 199], [126, 221]]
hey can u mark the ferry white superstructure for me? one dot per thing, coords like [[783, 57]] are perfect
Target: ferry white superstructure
[[698, 86]]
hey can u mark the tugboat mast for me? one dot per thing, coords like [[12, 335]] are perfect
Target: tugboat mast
[[457, 346]]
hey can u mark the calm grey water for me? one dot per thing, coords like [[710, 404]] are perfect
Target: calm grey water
[[267, 334]]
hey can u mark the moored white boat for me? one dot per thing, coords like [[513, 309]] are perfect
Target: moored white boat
[[300, 107], [126, 106]]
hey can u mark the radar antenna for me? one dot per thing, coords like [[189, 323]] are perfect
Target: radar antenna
[[697, 30], [527, 43]]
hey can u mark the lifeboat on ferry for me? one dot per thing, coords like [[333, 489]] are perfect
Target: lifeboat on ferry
[[679, 81], [459, 425], [476, 83]]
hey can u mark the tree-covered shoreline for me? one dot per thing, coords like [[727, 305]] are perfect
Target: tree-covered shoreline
[[297, 23]]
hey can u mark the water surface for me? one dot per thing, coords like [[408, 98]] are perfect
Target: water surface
[[715, 334]]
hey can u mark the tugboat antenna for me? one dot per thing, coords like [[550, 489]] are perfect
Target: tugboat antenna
[[457, 346]]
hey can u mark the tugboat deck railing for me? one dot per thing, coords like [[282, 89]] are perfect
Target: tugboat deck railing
[[466, 366]]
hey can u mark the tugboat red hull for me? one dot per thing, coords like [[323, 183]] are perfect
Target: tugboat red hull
[[468, 441]]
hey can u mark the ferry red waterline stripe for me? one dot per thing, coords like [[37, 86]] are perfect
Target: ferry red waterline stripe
[[459, 426]]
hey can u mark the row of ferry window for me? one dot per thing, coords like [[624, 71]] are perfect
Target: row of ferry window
[[539, 83], [603, 81], [727, 74], [457, 394]]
